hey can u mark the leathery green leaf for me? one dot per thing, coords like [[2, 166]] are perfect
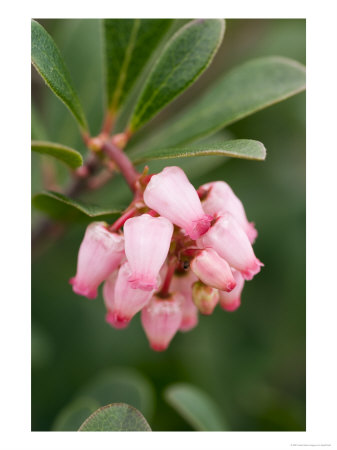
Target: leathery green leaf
[[185, 57], [116, 417], [61, 152], [47, 60], [128, 45]]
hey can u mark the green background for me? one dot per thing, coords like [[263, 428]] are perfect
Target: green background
[[252, 361]]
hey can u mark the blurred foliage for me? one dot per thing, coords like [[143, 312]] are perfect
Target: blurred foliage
[[252, 361]]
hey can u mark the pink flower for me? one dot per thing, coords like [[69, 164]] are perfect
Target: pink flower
[[121, 300], [205, 297], [213, 270], [161, 319], [147, 241], [220, 199], [229, 240], [172, 195], [100, 254], [230, 301], [183, 285]]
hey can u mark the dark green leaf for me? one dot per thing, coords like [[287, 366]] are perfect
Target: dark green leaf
[[122, 385], [65, 154], [61, 207], [116, 417], [196, 407], [239, 148], [244, 90], [129, 44], [188, 53], [48, 61], [73, 415]]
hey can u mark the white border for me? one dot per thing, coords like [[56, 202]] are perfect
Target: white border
[[321, 225]]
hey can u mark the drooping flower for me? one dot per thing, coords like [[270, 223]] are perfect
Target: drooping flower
[[205, 297], [230, 301], [161, 319], [121, 300], [220, 199], [100, 254], [182, 283], [229, 240], [213, 270], [172, 195], [147, 241]]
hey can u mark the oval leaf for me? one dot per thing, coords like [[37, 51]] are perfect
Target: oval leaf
[[116, 417], [196, 407], [244, 90], [128, 44], [188, 53], [65, 154], [239, 148], [48, 61], [72, 416], [63, 208]]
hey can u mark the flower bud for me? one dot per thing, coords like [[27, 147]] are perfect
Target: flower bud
[[220, 199], [183, 285], [161, 319], [121, 300], [230, 301], [147, 241], [100, 254], [229, 240], [172, 195], [213, 270], [204, 297]]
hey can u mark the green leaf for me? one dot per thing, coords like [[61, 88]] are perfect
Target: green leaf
[[196, 407], [65, 154], [115, 417], [48, 61], [239, 148], [122, 385], [129, 44], [73, 415], [63, 208], [244, 90], [187, 54]]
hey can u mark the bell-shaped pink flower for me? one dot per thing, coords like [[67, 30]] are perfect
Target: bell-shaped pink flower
[[100, 254], [161, 319], [205, 297], [182, 284], [213, 270], [121, 300], [172, 195], [229, 240], [147, 241], [220, 199], [230, 301]]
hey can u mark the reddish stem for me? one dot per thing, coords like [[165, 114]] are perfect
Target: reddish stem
[[122, 219], [122, 161], [169, 274]]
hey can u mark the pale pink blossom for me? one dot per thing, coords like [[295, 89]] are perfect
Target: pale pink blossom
[[121, 300], [220, 199], [147, 241], [100, 254], [205, 297], [229, 240], [161, 319], [230, 301], [182, 283], [213, 270], [171, 195]]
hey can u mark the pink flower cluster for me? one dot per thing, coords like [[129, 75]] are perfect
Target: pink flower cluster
[[189, 251]]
